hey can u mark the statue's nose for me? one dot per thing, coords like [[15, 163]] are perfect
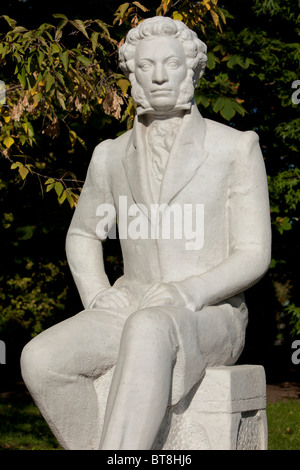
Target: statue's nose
[[159, 74]]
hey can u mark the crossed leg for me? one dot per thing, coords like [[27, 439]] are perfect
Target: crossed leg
[[60, 366]]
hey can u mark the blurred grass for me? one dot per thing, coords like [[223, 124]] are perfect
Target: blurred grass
[[23, 428], [284, 425]]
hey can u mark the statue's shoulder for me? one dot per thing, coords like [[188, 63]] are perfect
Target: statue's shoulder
[[110, 150], [227, 137]]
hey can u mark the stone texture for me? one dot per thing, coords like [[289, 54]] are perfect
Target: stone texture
[[226, 412]]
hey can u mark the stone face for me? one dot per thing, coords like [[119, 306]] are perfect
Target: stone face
[[190, 198]]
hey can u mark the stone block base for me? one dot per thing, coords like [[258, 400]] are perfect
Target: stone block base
[[227, 411]]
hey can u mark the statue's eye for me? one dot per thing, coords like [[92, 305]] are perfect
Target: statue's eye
[[145, 66], [173, 64]]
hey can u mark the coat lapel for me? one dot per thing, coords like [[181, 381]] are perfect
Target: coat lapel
[[186, 156], [135, 163]]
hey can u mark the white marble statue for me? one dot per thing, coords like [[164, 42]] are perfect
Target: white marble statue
[[179, 307]]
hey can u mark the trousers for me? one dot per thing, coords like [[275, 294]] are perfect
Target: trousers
[[159, 354]]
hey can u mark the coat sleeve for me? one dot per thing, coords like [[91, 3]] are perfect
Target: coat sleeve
[[85, 234], [249, 231]]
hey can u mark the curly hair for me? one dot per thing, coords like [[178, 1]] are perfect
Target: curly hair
[[160, 26]]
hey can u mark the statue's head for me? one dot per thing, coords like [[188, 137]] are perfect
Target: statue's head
[[164, 61]]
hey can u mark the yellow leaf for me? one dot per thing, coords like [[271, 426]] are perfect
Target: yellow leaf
[[73, 137], [124, 85], [215, 18], [6, 118], [177, 16], [23, 172], [165, 5], [8, 141]]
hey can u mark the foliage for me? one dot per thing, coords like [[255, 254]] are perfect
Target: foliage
[[34, 300], [54, 83]]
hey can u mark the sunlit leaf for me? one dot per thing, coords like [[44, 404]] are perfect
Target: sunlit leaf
[[8, 141], [23, 172]]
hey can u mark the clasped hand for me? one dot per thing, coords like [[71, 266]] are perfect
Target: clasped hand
[[158, 294]]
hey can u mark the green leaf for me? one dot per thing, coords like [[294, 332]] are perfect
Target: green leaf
[[62, 24], [49, 82], [202, 99], [12, 23], [122, 9], [59, 15], [41, 57], [50, 181], [283, 224], [62, 198], [239, 108], [55, 48], [16, 165], [64, 57], [140, 6], [60, 77], [212, 59], [94, 39], [228, 110], [19, 29], [103, 26], [219, 103], [61, 99], [22, 77], [80, 26], [58, 188], [49, 187], [84, 60]]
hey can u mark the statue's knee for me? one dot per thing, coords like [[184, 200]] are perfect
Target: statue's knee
[[36, 361], [148, 325]]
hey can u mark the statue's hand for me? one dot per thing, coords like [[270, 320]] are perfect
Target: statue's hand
[[112, 298], [162, 294]]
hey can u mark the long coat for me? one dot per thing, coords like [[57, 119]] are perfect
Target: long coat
[[210, 165]]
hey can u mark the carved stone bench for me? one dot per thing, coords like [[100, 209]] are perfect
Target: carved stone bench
[[226, 412]]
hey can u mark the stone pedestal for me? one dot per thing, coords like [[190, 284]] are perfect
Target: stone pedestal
[[226, 412]]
